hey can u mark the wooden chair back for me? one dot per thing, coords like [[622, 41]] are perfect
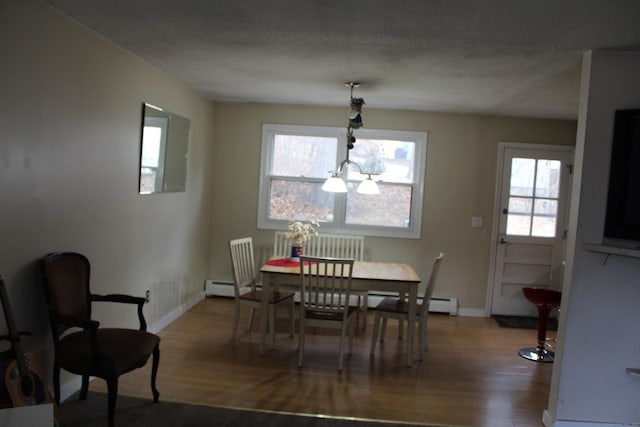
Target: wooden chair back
[[242, 264], [326, 285], [431, 283], [67, 290], [324, 245]]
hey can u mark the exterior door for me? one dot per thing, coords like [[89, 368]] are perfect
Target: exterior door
[[531, 228]]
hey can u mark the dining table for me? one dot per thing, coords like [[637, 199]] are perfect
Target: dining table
[[395, 277]]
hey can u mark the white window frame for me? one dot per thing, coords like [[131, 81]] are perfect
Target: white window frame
[[339, 226]]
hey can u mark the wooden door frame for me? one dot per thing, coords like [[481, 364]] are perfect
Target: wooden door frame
[[495, 222]]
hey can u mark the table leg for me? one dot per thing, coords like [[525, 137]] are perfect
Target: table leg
[[411, 323], [266, 290]]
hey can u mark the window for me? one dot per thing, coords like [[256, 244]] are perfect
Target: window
[[296, 161]]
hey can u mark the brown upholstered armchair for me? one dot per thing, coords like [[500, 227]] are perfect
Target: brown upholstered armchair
[[90, 351]]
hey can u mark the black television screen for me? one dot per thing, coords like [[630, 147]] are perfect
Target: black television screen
[[622, 223]]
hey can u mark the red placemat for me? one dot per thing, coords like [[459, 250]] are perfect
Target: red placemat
[[284, 262]]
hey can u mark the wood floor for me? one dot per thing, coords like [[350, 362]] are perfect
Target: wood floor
[[470, 376]]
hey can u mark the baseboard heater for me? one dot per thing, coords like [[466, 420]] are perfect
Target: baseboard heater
[[437, 304]]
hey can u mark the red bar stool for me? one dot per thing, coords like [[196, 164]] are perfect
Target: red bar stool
[[545, 300]]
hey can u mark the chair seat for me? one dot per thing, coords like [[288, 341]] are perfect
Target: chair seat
[[395, 305], [323, 315], [123, 350], [274, 298]]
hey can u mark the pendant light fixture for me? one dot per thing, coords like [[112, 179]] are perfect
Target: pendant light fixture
[[335, 183]]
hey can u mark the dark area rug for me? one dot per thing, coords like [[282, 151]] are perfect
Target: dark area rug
[[137, 412], [523, 322]]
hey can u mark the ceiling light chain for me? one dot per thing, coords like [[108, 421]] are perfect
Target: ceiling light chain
[[335, 183]]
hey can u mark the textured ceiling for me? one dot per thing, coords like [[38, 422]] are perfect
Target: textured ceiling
[[505, 57]]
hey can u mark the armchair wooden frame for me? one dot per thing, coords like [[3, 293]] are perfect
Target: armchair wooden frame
[[92, 351]]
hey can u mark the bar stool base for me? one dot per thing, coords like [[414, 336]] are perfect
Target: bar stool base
[[537, 354]]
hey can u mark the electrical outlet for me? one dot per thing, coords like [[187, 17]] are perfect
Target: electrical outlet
[[147, 295]]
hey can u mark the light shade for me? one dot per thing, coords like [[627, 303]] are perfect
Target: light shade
[[368, 186], [334, 184]]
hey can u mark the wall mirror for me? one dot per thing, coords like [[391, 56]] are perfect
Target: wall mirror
[[163, 152]]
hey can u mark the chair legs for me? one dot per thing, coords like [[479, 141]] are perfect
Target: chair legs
[[380, 329], [56, 383], [343, 330], [272, 324], [540, 353], [292, 318], [363, 309], [84, 388], [236, 319], [301, 341], [271, 314], [374, 337], [154, 373], [545, 300], [251, 314], [351, 325], [112, 388]]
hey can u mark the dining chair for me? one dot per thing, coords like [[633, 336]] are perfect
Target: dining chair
[[324, 299], [398, 308], [81, 346], [333, 246], [246, 292]]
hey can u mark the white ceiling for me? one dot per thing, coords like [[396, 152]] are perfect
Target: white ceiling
[[505, 57]]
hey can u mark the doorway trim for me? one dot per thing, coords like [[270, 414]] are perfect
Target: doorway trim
[[502, 147]]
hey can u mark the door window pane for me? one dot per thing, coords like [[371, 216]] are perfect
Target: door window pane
[[519, 216], [522, 173], [535, 211], [548, 178], [545, 213]]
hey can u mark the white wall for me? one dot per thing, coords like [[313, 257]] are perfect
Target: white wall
[[460, 183], [70, 122], [599, 335]]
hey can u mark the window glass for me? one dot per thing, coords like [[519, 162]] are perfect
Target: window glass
[[519, 218], [303, 156], [522, 173], [296, 160], [548, 178], [545, 213], [302, 201], [533, 209], [390, 208]]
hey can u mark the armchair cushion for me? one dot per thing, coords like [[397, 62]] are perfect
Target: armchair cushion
[[122, 349]]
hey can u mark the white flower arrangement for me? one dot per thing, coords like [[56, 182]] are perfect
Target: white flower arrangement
[[301, 233]]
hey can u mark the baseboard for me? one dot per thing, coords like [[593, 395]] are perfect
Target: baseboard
[[67, 389], [159, 325], [549, 421], [218, 288], [437, 304], [472, 312]]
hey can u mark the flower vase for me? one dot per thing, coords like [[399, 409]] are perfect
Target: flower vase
[[296, 251]]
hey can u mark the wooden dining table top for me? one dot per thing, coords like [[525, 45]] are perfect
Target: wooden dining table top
[[366, 270]]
